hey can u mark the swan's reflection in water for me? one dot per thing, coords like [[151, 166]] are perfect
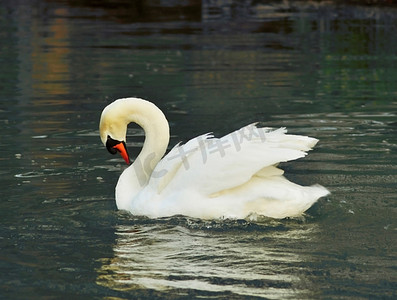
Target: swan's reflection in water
[[231, 258]]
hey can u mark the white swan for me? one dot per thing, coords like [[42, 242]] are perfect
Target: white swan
[[230, 177]]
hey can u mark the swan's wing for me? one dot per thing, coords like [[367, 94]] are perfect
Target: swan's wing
[[176, 159], [210, 165]]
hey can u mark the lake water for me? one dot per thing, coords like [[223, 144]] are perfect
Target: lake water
[[321, 70]]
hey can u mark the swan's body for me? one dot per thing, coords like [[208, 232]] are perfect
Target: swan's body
[[230, 177]]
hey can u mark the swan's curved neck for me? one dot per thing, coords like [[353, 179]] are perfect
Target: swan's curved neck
[[155, 126], [114, 120], [152, 120]]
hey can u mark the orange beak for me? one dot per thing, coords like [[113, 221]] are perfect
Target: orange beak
[[123, 151]]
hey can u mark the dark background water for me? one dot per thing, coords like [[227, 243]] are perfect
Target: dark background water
[[320, 69]]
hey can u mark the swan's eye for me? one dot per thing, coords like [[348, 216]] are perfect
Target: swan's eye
[[110, 143]]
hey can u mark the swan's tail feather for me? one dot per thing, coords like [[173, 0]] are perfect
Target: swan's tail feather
[[318, 191], [304, 198]]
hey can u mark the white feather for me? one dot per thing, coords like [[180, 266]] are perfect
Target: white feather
[[229, 177]]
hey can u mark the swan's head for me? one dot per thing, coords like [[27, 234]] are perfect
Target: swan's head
[[118, 114], [113, 130]]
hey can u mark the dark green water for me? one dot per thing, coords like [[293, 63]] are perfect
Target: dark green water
[[320, 70]]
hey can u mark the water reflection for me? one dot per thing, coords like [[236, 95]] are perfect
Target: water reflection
[[209, 257]]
